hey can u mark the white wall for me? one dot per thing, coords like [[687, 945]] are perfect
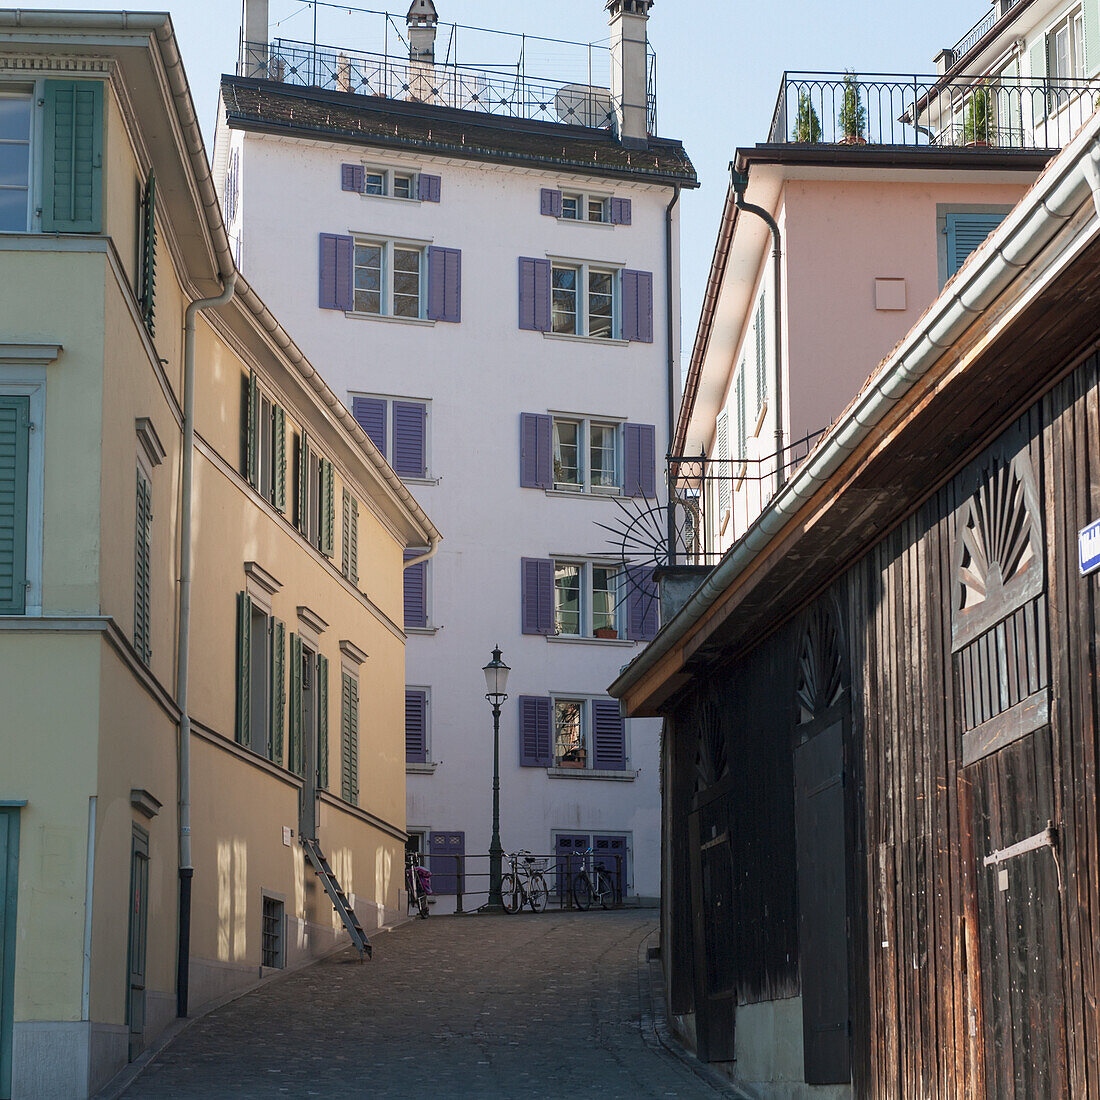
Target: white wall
[[479, 376]]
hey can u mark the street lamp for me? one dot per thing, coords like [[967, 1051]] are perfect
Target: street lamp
[[496, 680]]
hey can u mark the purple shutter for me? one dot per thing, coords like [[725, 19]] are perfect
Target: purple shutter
[[416, 592], [335, 285], [416, 727], [370, 415], [444, 284], [428, 188], [550, 206], [621, 211], [535, 750], [534, 294], [536, 445], [639, 460], [538, 595], [351, 177], [409, 423], [608, 736], [641, 604], [448, 852], [638, 306]]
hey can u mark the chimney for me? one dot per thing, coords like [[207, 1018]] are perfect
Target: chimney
[[629, 69], [254, 23], [422, 21]]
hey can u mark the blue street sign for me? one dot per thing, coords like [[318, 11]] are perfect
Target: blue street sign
[[1088, 543]]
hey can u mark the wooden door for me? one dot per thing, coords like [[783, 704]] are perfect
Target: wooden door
[[823, 906], [9, 881], [448, 852], [139, 931]]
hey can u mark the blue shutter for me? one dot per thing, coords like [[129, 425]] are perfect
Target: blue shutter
[[608, 736], [370, 415], [621, 212], [536, 451], [965, 233], [534, 294], [537, 596], [409, 424], [637, 289], [550, 203], [416, 592], [15, 426], [639, 460], [72, 160], [352, 177], [428, 188], [641, 604], [447, 851], [535, 741], [444, 284], [416, 727], [335, 271]]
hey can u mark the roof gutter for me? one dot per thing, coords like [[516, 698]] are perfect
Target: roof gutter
[[1057, 195]]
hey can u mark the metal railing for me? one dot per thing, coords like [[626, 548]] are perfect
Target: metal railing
[[979, 30], [928, 111], [452, 876], [726, 496], [513, 94]]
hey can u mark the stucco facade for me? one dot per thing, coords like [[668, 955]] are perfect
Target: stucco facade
[[89, 662]]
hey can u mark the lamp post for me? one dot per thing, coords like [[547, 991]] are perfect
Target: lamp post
[[496, 679]]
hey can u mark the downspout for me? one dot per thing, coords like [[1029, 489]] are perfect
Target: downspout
[[672, 367], [186, 869], [433, 546], [739, 182]]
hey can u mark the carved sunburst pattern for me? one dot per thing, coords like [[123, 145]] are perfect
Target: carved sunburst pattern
[[996, 537], [711, 760], [820, 667]]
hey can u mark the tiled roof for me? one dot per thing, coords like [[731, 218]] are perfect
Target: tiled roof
[[263, 105]]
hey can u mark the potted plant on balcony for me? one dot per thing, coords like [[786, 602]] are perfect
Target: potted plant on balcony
[[978, 128], [853, 115], [807, 126]]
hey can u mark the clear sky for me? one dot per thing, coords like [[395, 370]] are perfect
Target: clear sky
[[719, 64]]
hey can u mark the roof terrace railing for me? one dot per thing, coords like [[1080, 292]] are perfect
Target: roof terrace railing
[[512, 94], [979, 30], [900, 110]]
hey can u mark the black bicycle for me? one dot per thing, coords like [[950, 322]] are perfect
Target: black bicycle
[[418, 881], [592, 885], [525, 884]]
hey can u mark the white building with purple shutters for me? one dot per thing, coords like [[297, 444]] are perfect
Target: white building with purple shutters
[[487, 271]]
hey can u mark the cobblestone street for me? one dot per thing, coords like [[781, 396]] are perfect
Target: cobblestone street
[[542, 1006]]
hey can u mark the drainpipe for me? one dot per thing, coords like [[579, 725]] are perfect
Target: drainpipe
[[186, 870], [740, 182], [672, 367]]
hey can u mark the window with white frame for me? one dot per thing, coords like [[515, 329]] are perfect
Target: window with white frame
[[588, 733], [571, 733], [1066, 47], [586, 455], [586, 600], [389, 279], [583, 300], [581, 206], [395, 183], [16, 117]]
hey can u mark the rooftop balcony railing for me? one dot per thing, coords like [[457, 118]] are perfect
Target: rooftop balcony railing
[[512, 94], [928, 111]]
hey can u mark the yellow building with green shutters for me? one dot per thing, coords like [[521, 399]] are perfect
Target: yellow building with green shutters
[[201, 555]]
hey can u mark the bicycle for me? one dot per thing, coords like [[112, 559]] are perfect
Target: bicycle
[[525, 884], [418, 881], [586, 888]]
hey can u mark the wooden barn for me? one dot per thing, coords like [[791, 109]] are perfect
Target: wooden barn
[[882, 710]]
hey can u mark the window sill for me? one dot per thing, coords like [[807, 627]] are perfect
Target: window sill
[[423, 322], [423, 630], [420, 480], [586, 494], [412, 768], [586, 222], [568, 639], [590, 773], [603, 341], [391, 198]]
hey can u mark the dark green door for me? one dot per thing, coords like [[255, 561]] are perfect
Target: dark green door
[[9, 882], [139, 931]]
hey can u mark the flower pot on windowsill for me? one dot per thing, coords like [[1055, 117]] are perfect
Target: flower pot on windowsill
[[607, 632], [853, 139]]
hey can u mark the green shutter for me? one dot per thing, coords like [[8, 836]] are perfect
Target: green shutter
[[294, 761], [149, 253], [72, 158], [1090, 10], [349, 739], [353, 569], [322, 720], [328, 509], [303, 484], [142, 567], [761, 356], [350, 538], [244, 667], [278, 443], [15, 427], [1038, 61], [345, 539], [252, 435], [965, 233], [355, 742], [278, 689]]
